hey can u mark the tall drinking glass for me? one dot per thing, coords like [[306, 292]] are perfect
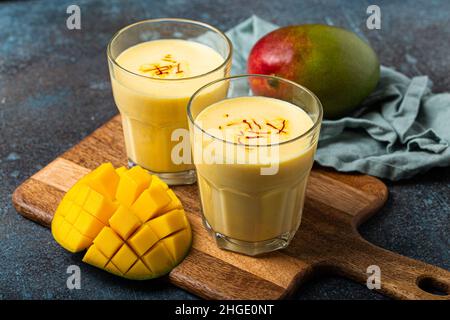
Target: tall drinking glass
[[253, 150], [155, 67]]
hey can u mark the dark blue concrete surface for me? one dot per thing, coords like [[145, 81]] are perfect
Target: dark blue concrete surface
[[54, 90]]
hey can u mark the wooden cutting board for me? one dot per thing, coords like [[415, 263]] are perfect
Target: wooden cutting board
[[327, 241]]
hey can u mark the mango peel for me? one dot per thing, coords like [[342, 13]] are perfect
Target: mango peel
[[130, 222]]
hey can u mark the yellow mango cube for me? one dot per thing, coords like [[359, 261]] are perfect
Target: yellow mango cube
[[108, 242], [75, 241], [56, 228], [124, 222], [64, 229], [88, 225], [150, 202], [131, 185], [72, 213], [143, 239], [70, 195], [56, 223], [174, 203], [95, 257], [168, 223], [176, 243], [63, 208], [104, 180], [124, 258], [138, 271], [81, 195], [99, 206], [110, 267], [158, 259], [157, 181], [130, 222]]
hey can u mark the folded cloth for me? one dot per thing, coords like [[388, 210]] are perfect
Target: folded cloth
[[400, 130]]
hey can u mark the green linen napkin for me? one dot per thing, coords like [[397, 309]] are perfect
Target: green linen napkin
[[400, 130]]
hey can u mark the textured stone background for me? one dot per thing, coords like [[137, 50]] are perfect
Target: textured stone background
[[54, 90]]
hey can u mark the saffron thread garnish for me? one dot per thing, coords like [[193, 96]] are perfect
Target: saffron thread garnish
[[155, 68], [282, 128], [248, 124], [257, 124], [254, 131], [271, 125], [178, 68]]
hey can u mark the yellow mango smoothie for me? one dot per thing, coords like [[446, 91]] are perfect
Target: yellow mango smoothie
[[151, 109], [239, 200], [152, 82]]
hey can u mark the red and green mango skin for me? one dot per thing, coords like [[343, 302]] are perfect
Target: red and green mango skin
[[335, 64]]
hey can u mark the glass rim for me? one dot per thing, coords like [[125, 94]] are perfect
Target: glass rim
[[315, 125], [187, 21]]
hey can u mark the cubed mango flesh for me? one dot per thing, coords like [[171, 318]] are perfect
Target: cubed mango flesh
[[104, 180], [131, 185], [124, 222], [150, 202], [131, 223]]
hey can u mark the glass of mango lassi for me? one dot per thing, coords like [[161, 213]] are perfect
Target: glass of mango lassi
[[155, 67], [253, 151]]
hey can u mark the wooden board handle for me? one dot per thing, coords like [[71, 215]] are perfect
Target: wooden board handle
[[401, 277]]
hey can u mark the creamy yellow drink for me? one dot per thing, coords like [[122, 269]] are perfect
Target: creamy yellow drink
[[239, 200], [152, 89]]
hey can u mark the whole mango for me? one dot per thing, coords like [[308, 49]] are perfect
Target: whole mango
[[335, 64]]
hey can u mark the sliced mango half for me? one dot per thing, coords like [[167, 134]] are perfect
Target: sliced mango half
[[130, 222]]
